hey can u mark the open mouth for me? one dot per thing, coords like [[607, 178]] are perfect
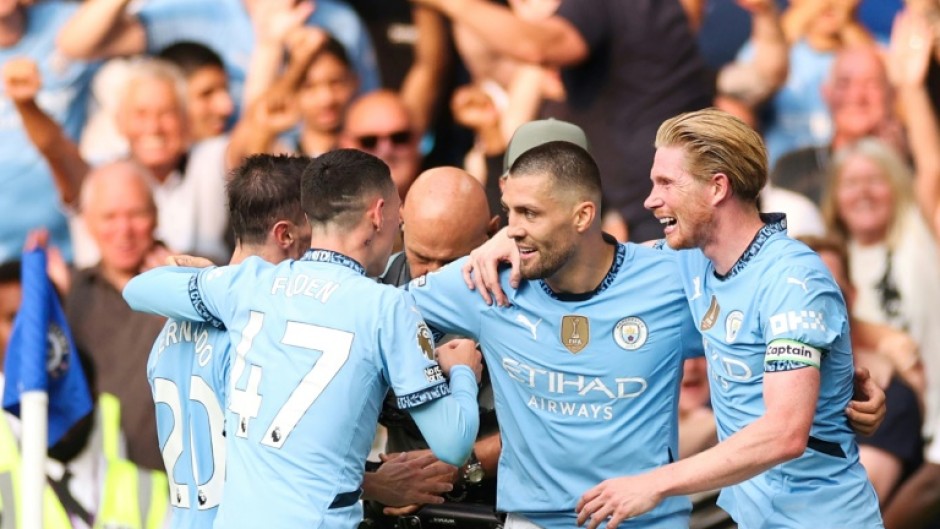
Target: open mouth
[[667, 221], [525, 252]]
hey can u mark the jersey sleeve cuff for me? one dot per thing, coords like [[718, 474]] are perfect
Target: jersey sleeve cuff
[[195, 297]]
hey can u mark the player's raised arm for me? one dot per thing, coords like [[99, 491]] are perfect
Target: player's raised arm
[[164, 291]]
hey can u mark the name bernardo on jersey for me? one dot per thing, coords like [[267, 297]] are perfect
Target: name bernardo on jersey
[[569, 388], [177, 332]]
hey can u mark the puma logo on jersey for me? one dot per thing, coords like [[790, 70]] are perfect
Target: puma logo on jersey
[[795, 281], [697, 285], [521, 318]]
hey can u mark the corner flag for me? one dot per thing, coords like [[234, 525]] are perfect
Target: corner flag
[[41, 355]]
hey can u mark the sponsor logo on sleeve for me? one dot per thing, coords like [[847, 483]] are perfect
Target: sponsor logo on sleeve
[[797, 320], [631, 333], [575, 333], [711, 315], [791, 353], [433, 374], [733, 324]]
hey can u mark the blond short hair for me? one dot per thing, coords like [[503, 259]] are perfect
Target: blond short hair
[[715, 142]]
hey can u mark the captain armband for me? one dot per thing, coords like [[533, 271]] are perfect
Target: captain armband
[[788, 355]]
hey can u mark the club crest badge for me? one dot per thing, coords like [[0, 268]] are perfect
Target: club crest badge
[[733, 324], [575, 333], [57, 351], [711, 315], [631, 333]]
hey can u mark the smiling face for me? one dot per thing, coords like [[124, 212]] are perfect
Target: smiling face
[[151, 118], [678, 200], [542, 224], [120, 216], [209, 103], [864, 199], [326, 92], [858, 93]]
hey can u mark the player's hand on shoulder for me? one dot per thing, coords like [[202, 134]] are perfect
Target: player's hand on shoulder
[[481, 271], [191, 261], [460, 352]]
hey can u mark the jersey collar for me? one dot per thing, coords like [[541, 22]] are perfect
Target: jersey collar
[[619, 256], [329, 256], [773, 223]]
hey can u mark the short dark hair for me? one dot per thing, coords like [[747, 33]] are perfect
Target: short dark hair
[[191, 56], [10, 272], [570, 166], [263, 190], [335, 48], [336, 184]]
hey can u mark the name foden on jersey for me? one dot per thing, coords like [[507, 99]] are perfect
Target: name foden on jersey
[[304, 285]]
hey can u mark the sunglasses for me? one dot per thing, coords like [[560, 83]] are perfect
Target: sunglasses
[[398, 138]]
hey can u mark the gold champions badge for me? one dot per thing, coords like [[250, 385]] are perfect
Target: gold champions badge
[[711, 316], [575, 333]]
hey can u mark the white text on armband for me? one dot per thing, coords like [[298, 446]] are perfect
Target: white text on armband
[[786, 355]]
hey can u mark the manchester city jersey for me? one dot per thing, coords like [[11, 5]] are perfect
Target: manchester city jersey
[[188, 370], [779, 309], [315, 347], [586, 386]]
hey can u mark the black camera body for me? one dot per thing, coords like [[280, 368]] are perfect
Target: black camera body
[[453, 516]]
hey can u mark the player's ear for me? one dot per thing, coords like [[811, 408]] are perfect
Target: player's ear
[[493, 226], [376, 213], [720, 187], [584, 215], [282, 234]]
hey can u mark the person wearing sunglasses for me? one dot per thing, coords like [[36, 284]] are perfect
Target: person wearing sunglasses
[[379, 124]]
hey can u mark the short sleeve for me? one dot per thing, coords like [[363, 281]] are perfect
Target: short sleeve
[[407, 348], [446, 302], [805, 315]]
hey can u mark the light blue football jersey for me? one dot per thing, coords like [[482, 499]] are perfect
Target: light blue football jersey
[[779, 309], [316, 345], [188, 372], [29, 199], [586, 386]]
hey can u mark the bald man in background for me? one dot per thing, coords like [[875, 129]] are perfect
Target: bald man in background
[[121, 216], [446, 215]]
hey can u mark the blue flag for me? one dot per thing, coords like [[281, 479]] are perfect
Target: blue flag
[[41, 355]]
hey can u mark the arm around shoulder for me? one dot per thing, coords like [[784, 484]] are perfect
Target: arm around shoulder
[[164, 291]]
